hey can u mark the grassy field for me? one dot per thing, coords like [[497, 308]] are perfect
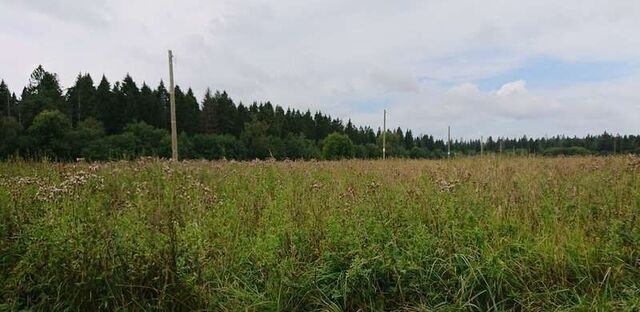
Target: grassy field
[[467, 234]]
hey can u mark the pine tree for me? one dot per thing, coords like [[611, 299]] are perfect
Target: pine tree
[[225, 113], [103, 101], [149, 109], [162, 100], [187, 111], [209, 108], [116, 114], [81, 99], [350, 131], [242, 117], [193, 109], [277, 124], [130, 94], [5, 100], [43, 92], [408, 140]]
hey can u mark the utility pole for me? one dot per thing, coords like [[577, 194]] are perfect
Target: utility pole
[[172, 99], [449, 142], [481, 146], [384, 135]]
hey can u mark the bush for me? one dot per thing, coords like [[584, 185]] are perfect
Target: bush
[[121, 146], [83, 139], [417, 152], [233, 147], [9, 134], [207, 146], [297, 147], [48, 131], [337, 146], [566, 151], [148, 138]]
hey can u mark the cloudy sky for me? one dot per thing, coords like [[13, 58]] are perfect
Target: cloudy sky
[[491, 67]]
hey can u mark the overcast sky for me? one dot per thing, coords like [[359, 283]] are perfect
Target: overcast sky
[[501, 68]]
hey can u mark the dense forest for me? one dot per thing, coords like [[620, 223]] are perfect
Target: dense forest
[[123, 120]]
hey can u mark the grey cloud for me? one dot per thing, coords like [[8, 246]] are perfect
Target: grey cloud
[[95, 13], [324, 54]]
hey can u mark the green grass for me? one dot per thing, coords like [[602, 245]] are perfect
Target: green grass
[[533, 234]]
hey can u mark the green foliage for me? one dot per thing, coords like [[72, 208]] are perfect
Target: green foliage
[[219, 114], [337, 146], [42, 93], [567, 151], [298, 147], [89, 132], [48, 131], [150, 110], [207, 146], [257, 131], [81, 102], [394, 144], [255, 138], [499, 234], [148, 139], [187, 112], [10, 130], [6, 104]]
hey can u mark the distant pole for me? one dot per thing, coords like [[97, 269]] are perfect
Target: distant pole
[[384, 135], [481, 146], [501, 146], [172, 98], [449, 142]]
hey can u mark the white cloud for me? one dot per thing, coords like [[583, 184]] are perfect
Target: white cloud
[[421, 56], [513, 88]]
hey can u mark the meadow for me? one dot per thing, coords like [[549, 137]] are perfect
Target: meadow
[[490, 233]]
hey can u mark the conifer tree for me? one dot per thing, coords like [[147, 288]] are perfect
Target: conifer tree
[[42, 93], [81, 101]]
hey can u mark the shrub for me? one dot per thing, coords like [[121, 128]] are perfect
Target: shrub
[[337, 146], [566, 151], [48, 132]]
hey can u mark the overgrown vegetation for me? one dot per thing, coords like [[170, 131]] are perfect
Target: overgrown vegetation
[[468, 234]]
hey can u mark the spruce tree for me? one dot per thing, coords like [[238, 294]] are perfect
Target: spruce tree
[[116, 114], [225, 113], [187, 111], [130, 94], [81, 101], [42, 93], [103, 102], [5, 100], [209, 122], [149, 109], [162, 100]]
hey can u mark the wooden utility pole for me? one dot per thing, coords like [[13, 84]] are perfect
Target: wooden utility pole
[[481, 146], [172, 99], [384, 135], [449, 142]]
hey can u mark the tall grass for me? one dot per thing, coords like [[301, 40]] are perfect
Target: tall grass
[[488, 233]]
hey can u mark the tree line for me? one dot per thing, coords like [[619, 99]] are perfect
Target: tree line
[[124, 120]]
